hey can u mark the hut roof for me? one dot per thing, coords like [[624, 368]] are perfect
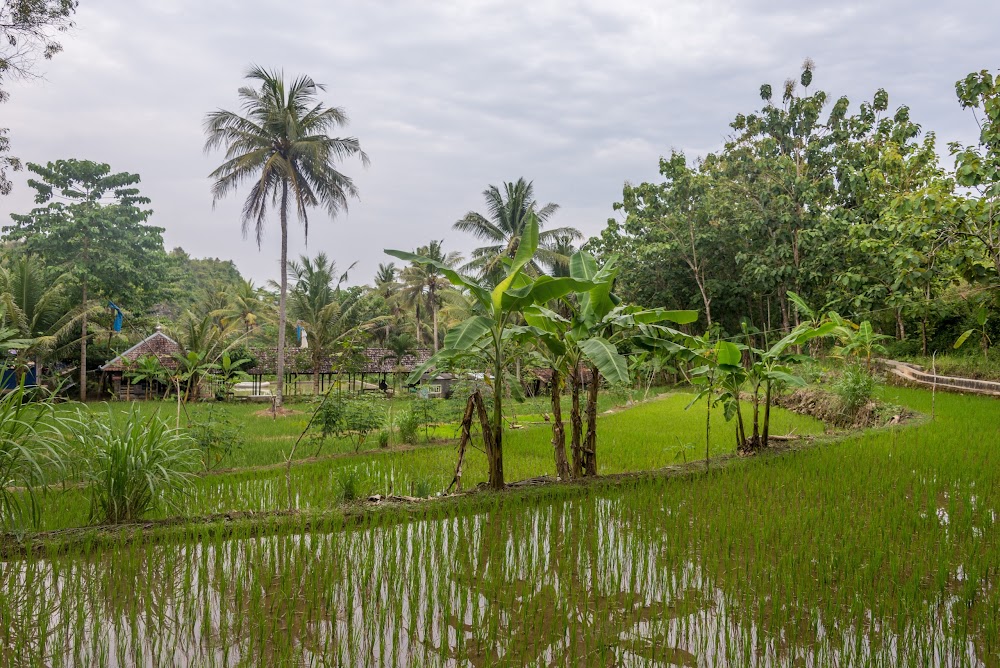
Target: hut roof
[[157, 344], [368, 360]]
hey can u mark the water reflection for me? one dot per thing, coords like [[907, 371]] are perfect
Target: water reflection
[[593, 581]]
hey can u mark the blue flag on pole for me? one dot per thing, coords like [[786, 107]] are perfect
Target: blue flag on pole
[[118, 317]]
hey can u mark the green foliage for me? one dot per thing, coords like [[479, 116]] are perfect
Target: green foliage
[[355, 418], [132, 464], [408, 424], [349, 484], [216, 436], [855, 387], [93, 226], [30, 448]]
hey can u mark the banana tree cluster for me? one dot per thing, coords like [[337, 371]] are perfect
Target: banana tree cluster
[[733, 372], [490, 333], [583, 330]]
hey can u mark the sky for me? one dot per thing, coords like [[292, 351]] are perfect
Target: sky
[[447, 98]]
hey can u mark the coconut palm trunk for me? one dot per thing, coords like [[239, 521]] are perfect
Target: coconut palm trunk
[[282, 299]]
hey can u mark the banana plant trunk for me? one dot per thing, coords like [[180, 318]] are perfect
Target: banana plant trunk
[[576, 424], [558, 429], [590, 444]]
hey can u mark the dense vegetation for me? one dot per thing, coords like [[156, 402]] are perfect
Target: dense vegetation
[[750, 292]]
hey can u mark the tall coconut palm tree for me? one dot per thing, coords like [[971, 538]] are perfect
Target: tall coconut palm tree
[[504, 224], [425, 285], [280, 144]]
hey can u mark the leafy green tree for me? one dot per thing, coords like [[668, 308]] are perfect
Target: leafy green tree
[[93, 227], [508, 210], [37, 303], [281, 146], [977, 167], [677, 217], [27, 27]]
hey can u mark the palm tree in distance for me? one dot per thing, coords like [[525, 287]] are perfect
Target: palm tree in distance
[[502, 227], [281, 146], [425, 285]]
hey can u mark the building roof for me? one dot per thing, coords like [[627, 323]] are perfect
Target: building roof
[[157, 344], [369, 360]]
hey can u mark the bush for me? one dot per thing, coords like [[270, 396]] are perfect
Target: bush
[[409, 426], [354, 418], [132, 464], [855, 387], [216, 438], [383, 439], [30, 434]]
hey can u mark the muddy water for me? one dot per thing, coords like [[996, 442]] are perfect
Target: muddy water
[[593, 581]]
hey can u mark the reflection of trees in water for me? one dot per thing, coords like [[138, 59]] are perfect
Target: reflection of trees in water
[[591, 581], [556, 587]]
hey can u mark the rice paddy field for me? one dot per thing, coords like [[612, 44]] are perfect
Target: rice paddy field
[[877, 549]]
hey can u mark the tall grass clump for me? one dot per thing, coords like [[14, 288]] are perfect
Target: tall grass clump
[[855, 388], [30, 434], [132, 463]]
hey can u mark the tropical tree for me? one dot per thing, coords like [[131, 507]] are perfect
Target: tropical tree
[[27, 27], [425, 285], [328, 313], [38, 304], [977, 167], [92, 226], [589, 338], [247, 305], [508, 210], [281, 146]]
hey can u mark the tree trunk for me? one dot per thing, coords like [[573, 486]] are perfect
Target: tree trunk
[[83, 345], [434, 317], [491, 440], [558, 429], [576, 424], [767, 413], [590, 444], [282, 297]]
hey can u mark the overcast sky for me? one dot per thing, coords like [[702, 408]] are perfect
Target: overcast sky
[[448, 97]]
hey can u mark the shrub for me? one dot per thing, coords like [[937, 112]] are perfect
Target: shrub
[[354, 418], [856, 387], [132, 464], [409, 425], [30, 434], [215, 437], [383, 439]]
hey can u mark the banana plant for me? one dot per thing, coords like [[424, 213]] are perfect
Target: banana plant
[[489, 333], [982, 318], [588, 338], [729, 370]]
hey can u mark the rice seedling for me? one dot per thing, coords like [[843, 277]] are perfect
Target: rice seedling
[[880, 549]]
